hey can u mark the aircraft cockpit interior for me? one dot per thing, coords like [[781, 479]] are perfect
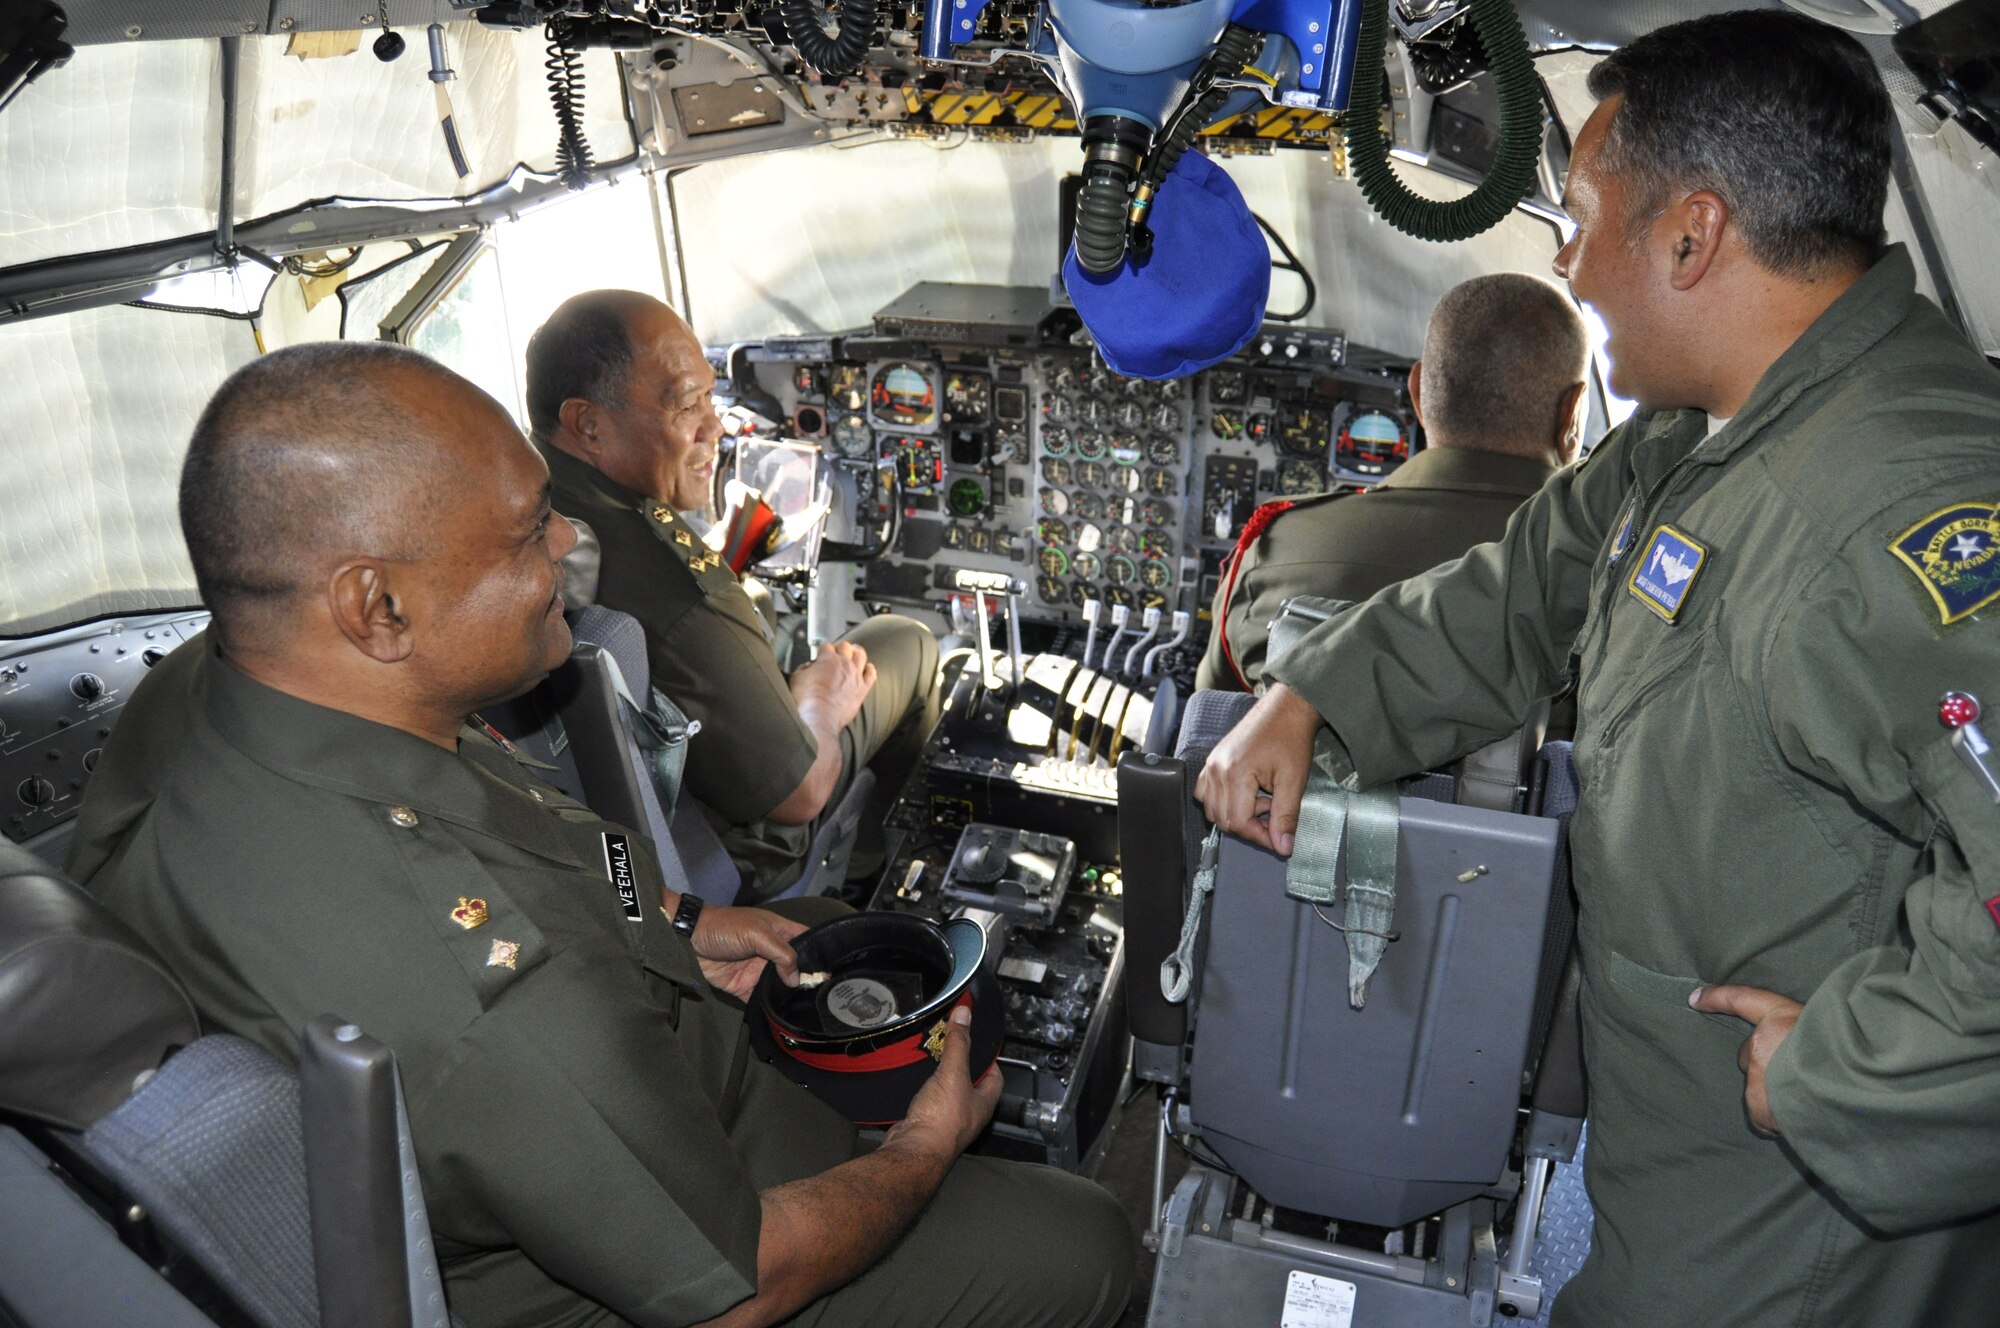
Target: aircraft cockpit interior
[[1033, 327]]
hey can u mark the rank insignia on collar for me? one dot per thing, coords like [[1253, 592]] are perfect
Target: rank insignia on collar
[[1955, 554], [1666, 573], [1623, 539], [470, 913], [504, 954], [682, 538]]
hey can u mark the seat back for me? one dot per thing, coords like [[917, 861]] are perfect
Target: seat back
[[1409, 1105], [244, 1165]]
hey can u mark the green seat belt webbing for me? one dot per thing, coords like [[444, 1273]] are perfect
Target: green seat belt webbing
[[1368, 821], [1177, 969]]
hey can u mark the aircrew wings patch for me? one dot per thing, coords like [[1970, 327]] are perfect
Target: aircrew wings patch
[[1955, 555]]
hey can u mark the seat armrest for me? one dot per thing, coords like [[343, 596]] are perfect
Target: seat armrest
[[1153, 797]]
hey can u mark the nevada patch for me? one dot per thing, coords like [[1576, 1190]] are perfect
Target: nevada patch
[[1663, 577], [1955, 555]]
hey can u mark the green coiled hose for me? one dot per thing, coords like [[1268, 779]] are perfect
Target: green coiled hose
[[1513, 171]]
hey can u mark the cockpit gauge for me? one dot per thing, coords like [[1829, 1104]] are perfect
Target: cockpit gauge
[[1372, 443], [847, 387], [1079, 593], [1257, 428], [1154, 574], [1162, 450], [1227, 388], [1096, 413], [1055, 470], [1010, 404], [1089, 537], [1091, 444], [1166, 418], [1226, 424], [1159, 482], [851, 437], [1126, 450], [1090, 474], [966, 497], [1051, 589], [1120, 509], [805, 380], [1087, 565], [1122, 539], [1125, 479], [1298, 477], [1120, 570], [1168, 389], [1156, 513], [1066, 377], [1132, 415], [1056, 440], [1156, 544], [919, 465], [1304, 433], [1055, 502], [1116, 594], [1058, 409], [1087, 505], [968, 398], [1052, 561], [954, 537], [1051, 531], [1007, 447], [903, 397], [1102, 381]]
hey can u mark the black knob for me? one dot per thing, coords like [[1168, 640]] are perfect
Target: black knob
[[152, 655], [87, 686], [37, 792], [388, 46]]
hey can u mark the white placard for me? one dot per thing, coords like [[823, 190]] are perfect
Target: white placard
[[1312, 1301]]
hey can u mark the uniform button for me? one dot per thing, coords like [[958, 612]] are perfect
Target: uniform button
[[403, 816], [536, 794]]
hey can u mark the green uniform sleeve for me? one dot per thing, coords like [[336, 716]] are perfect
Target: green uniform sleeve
[[1887, 1087], [570, 1125], [1446, 662], [753, 749]]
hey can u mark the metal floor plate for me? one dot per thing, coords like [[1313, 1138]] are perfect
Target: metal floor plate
[[1564, 1237]]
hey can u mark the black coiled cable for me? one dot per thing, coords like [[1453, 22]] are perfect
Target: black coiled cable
[[838, 53], [1234, 50], [565, 70]]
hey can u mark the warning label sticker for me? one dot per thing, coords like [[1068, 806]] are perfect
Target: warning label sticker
[[1312, 1301]]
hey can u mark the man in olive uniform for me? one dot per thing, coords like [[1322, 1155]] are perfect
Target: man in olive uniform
[[1764, 584], [1499, 392], [620, 404], [302, 813]]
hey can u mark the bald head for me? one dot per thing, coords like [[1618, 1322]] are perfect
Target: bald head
[[585, 351], [309, 455], [1500, 359]]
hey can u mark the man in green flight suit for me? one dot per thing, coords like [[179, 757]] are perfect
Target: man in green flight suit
[[620, 405], [301, 811], [1499, 392], [1763, 585]]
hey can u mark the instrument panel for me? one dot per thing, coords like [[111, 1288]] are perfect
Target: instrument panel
[[1009, 446]]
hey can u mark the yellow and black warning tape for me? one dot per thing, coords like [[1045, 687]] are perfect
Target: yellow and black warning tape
[[1046, 112]]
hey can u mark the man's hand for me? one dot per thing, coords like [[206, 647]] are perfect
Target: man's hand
[[950, 1110], [734, 944], [1773, 1016], [837, 680], [1256, 777]]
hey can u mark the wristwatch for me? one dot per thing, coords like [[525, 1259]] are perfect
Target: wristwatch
[[687, 915]]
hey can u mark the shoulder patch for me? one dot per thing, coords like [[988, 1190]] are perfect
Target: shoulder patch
[[1955, 555]]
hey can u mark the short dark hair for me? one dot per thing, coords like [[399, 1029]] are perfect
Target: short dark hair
[[1784, 117], [1499, 353], [583, 350], [301, 450]]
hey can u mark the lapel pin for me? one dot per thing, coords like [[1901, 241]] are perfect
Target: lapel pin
[[470, 913]]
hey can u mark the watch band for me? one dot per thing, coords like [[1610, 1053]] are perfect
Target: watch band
[[687, 915]]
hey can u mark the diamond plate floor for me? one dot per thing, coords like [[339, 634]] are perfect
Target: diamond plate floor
[[1564, 1237]]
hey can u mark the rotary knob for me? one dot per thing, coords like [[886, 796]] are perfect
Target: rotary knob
[[36, 792], [87, 686], [152, 655]]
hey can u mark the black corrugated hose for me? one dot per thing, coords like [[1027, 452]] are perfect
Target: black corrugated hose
[[1236, 48], [836, 54], [1513, 172]]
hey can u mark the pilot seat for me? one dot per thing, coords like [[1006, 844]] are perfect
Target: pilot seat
[[1361, 1139]]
